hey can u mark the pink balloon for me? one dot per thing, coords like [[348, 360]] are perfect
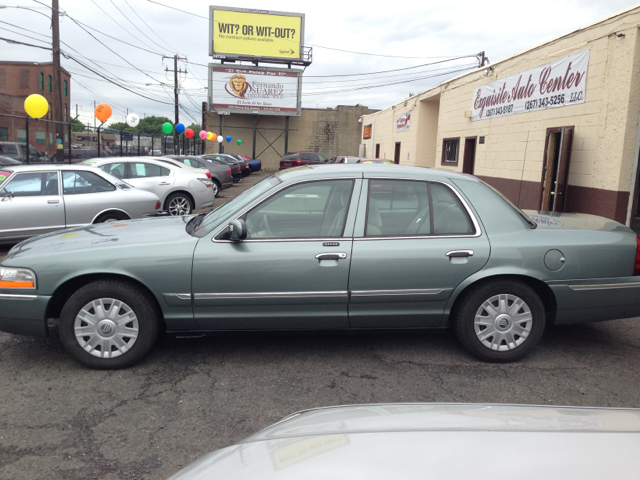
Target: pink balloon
[[203, 135]]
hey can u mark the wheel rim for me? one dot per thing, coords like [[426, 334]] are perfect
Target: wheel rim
[[106, 328], [215, 189], [179, 206], [503, 322]]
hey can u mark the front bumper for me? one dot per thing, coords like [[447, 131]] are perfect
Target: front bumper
[[23, 314], [593, 300]]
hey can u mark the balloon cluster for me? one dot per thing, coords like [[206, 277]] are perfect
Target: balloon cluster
[[213, 137]]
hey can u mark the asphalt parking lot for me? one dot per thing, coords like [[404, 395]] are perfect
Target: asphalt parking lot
[[191, 396]]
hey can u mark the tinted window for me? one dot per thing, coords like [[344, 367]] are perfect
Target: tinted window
[[449, 216], [142, 170], [308, 210], [398, 208], [115, 169], [75, 183], [309, 156], [290, 157], [10, 149], [32, 184]]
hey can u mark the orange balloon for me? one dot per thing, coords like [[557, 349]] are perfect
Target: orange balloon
[[213, 139], [103, 112]]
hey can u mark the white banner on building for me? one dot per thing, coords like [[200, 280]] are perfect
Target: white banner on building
[[254, 90], [403, 122], [555, 84]]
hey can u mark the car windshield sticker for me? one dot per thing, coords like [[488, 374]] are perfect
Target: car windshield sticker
[[4, 175], [546, 221], [68, 235], [120, 225], [140, 171], [89, 163]]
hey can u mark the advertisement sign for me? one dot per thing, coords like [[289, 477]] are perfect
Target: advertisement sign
[[255, 90], [247, 33], [555, 84], [366, 132], [402, 122]]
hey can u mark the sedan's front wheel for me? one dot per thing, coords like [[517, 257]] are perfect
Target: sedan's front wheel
[[178, 204], [501, 321], [109, 324]]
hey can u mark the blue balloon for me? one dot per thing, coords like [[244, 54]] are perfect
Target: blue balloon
[[229, 138], [180, 128]]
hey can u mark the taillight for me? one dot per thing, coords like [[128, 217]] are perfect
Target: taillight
[[298, 162], [239, 169], [636, 266], [157, 205], [229, 171], [208, 174]]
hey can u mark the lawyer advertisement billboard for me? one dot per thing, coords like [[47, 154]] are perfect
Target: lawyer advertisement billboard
[[254, 90]]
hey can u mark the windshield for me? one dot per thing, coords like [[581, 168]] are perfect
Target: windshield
[[524, 216], [215, 217]]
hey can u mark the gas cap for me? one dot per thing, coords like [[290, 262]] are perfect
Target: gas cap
[[554, 260]]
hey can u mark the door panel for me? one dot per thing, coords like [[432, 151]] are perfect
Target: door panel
[[35, 208], [150, 177]]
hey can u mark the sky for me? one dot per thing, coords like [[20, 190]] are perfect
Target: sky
[[385, 36]]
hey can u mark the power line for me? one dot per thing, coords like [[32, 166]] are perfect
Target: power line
[[375, 54], [177, 9], [150, 29], [15, 42], [135, 26]]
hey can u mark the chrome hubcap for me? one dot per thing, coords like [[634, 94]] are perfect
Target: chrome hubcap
[[179, 206], [503, 322], [215, 189], [106, 328]]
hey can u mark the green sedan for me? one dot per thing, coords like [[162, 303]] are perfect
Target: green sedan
[[326, 248]]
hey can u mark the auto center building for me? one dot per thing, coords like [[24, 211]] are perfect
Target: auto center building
[[555, 128]]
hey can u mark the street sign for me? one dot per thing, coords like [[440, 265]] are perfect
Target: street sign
[[127, 136]]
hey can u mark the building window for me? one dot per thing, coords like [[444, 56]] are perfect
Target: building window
[[66, 89], [50, 83], [41, 137], [41, 81], [22, 135], [4, 134], [450, 148]]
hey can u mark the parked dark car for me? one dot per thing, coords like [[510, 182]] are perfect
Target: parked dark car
[[246, 169], [297, 159], [18, 151], [236, 169], [220, 174], [9, 161], [255, 165]]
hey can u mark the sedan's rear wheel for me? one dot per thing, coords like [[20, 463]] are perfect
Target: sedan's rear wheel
[[178, 204], [108, 324], [216, 188], [500, 321]]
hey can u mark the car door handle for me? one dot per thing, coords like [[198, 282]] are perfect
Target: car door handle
[[459, 253], [165, 183], [53, 201], [331, 256]]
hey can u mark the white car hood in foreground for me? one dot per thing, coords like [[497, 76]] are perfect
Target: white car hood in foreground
[[435, 441]]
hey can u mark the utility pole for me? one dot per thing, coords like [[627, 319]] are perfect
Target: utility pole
[[57, 84], [175, 72], [94, 117]]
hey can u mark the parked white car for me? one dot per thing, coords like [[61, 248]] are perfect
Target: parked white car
[[37, 199], [180, 190]]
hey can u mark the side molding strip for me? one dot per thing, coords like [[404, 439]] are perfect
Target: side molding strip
[[201, 296], [603, 286], [375, 293]]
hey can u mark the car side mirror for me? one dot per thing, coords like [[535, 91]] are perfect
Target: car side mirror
[[7, 195], [237, 230]]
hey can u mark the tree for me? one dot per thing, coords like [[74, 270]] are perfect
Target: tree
[[195, 127], [77, 125], [147, 126]]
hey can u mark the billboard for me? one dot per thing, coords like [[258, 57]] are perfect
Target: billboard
[[366, 132], [242, 33], [403, 122], [254, 90]]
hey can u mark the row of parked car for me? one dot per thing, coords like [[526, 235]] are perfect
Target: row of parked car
[[37, 199]]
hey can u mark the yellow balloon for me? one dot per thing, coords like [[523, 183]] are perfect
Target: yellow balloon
[[36, 106], [209, 135]]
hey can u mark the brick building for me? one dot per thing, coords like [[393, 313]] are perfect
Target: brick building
[[327, 131], [18, 80], [554, 127]]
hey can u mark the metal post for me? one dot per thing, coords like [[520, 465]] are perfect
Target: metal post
[[27, 128], [176, 136], [69, 142], [138, 143], [165, 144], [286, 134], [99, 141], [57, 83], [121, 141], [255, 123], [221, 144]]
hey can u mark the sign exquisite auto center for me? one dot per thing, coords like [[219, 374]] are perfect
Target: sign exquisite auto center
[[555, 84], [245, 33]]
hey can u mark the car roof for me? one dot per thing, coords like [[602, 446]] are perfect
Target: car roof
[[370, 169], [48, 166]]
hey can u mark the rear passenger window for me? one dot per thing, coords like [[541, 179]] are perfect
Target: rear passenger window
[[76, 183], [414, 208], [143, 170], [115, 169], [309, 156]]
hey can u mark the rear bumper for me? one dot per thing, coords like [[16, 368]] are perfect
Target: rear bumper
[[593, 300], [24, 314]]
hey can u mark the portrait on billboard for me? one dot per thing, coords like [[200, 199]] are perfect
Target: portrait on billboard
[[239, 86]]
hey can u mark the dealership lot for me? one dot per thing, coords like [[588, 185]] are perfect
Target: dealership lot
[[194, 395]]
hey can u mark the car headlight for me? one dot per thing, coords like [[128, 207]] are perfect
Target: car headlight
[[17, 278]]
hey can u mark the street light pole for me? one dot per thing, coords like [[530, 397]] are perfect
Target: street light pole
[[57, 85]]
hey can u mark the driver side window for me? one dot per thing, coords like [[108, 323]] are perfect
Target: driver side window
[[308, 210]]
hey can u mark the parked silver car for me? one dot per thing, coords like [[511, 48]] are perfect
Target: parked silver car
[[220, 174], [180, 191], [36, 199], [445, 441]]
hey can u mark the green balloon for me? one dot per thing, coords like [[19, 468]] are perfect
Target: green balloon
[[167, 128], [239, 142]]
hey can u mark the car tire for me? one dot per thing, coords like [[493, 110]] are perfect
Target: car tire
[[216, 187], [110, 217], [511, 310], [178, 204], [96, 302]]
